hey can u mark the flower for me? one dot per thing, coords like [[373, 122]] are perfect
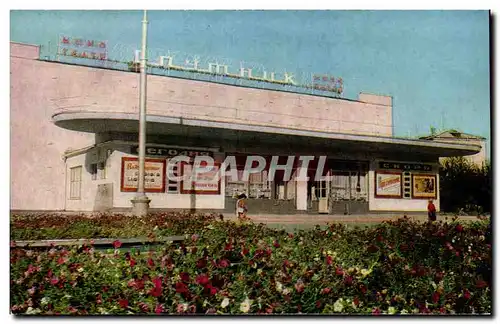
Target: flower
[[299, 286], [279, 286], [151, 263], [459, 228], [181, 308], [132, 263], [159, 309], [45, 301], [339, 271], [201, 263], [276, 244], [466, 294], [376, 311], [325, 291], [338, 306], [391, 310], [435, 297], [481, 284], [194, 237], [117, 244], [202, 279], [245, 305], [224, 263], [365, 272], [225, 302], [184, 276], [329, 260], [123, 303], [348, 280]]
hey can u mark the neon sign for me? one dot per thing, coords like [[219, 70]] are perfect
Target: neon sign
[[82, 48], [216, 68]]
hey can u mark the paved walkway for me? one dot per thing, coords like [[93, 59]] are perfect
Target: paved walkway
[[323, 219]]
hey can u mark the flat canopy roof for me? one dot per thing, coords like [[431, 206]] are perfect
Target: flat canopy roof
[[160, 125]]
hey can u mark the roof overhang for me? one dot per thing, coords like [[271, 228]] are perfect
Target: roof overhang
[[161, 125]]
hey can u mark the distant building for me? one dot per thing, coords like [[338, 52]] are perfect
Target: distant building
[[457, 137]]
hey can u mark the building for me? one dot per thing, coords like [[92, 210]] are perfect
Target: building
[[74, 139], [454, 136]]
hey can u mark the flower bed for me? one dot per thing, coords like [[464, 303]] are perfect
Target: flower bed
[[398, 267], [53, 226]]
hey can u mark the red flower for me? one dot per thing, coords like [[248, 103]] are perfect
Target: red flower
[[181, 288], [459, 228], [202, 279], [457, 253], [184, 276], [435, 297], [98, 299], [339, 271], [376, 311], [442, 310], [318, 304], [123, 303], [362, 288], [348, 280], [117, 244], [286, 263], [54, 281], [244, 251], [60, 260], [132, 262], [12, 244], [228, 247], [201, 263], [329, 260], [276, 244], [159, 309], [224, 263], [380, 238], [156, 291], [194, 237], [481, 284], [151, 262], [356, 301], [290, 235], [325, 291], [466, 294]]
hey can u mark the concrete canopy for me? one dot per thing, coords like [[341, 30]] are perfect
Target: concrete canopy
[[160, 125]]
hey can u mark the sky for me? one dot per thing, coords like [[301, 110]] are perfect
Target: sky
[[435, 64]]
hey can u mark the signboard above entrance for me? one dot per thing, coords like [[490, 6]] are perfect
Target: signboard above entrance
[[405, 166], [171, 151]]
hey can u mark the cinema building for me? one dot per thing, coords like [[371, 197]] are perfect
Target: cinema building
[[74, 143]]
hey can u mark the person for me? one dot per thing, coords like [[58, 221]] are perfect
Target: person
[[241, 207], [431, 211]]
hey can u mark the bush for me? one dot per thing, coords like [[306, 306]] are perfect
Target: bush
[[398, 267]]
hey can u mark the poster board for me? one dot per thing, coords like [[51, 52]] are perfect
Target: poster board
[[154, 175], [207, 183], [424, 186], [388, 184]]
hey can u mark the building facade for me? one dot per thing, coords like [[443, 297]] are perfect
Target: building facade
[[74, 144]]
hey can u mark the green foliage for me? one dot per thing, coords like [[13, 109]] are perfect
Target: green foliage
[[465, 186], [397, 267]]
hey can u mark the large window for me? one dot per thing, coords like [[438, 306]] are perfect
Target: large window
[[75, 184]]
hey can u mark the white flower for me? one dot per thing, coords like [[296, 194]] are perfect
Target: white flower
[[338, 306], [45, 300], [404, 311], [225, 303], [30, 310], [279, 286], [80, 269], [245, 305], [391, 310], [286, 291]]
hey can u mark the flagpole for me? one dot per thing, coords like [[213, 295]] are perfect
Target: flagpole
[[141, 201]]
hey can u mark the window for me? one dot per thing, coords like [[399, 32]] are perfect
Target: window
[[259, 186], [75, 184], [98, 170], [236, 186], [93, 171]]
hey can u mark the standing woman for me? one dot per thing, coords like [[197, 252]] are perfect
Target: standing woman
[[241, 207]]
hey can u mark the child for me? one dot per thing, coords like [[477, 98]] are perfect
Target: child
[[241, 207], [431, 211]]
